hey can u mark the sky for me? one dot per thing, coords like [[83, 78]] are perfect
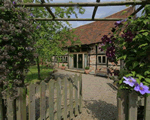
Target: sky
[[101, 11]]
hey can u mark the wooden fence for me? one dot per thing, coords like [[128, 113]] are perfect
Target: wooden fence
[[64, 100], [128, 103]]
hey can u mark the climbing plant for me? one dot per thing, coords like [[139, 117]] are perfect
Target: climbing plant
[[16, 46], [130, 41]]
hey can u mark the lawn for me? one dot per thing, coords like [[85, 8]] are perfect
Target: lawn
[[32, 75]]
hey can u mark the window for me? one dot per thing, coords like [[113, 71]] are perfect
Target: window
[[102, 59]]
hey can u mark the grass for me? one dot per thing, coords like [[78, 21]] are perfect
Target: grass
[[32, 75]]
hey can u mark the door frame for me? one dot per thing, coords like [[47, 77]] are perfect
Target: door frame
[[77, 53]]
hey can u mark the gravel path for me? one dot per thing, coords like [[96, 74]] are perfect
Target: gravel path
[[99, 98]]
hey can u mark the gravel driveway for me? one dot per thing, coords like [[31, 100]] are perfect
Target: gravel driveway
[[99, 98]]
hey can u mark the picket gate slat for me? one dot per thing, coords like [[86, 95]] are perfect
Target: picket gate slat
[[76, 94], [133, 98], [21, 104], [32, 101], [1, 105], [147, 108], [71, 97], [65, 98], [58, 98], [122, 105], [51, 99], [42, 101], [80, 92], [10, 108]]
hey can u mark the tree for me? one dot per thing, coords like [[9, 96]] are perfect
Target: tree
[[51, 36]]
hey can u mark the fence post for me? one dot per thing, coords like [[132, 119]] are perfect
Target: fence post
[[32, 101], [51, 99], [76, 94], [147, 108], [10, 108], [80, 93], [122, 101], [65, 98], [21, 104], [42, 101], [71, 97], [133, 99], [58, 98], [1, 104]]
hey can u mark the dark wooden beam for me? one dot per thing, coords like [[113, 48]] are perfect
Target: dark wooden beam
[[95, 9], [136, 11], [48, 9], [78, 19], [83, 4]]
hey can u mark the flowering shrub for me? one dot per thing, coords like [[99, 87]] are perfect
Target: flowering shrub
[[130, 41], [16, 46]]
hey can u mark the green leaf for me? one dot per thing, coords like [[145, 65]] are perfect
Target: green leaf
[[135, 64], [145, 33], [143, 45], [147, 80], [146, 72]]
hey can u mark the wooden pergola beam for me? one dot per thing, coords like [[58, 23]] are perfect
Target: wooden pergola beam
[[83, 4], [78, 19], [48, 9], [95, 9], [136, 11]]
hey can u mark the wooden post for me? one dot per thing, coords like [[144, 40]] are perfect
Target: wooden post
[[32, 101], [21, 104], [133, 98], [42, 101], [122, 101], [71, 97], [1, 105], [10, 108], [147, 108], [58, 98], [65, 98], [80, 93], [121, 64], [51, 99], [76, 94]]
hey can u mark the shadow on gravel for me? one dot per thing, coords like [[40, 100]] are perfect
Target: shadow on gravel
[[101, 110], [114, 88]]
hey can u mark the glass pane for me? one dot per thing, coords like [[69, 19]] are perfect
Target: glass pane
[[104, 59], [79, 60], [75, 60], [99, 59]]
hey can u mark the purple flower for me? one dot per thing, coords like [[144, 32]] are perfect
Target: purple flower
[[31, 15], [141, 88], [130, 81], [14, 3], [117, 23], [37, 27]]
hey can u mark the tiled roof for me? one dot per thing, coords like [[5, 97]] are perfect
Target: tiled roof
[[93, 32]]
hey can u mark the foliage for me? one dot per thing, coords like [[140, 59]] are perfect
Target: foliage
[[130, 41], [87, 67], [63, 65], [16, 46], [52, 36]]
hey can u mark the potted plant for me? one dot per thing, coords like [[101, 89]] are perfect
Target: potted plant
[[87, 69], [63, 67]]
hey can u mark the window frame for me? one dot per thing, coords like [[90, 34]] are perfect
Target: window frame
[[101, 59]]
